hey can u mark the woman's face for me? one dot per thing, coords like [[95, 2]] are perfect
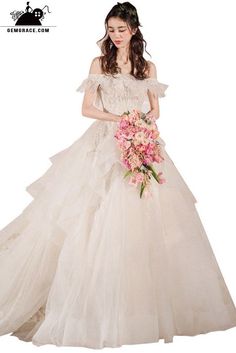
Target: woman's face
[[119, 32]]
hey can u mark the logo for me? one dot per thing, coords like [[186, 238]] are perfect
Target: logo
[[29, 19]]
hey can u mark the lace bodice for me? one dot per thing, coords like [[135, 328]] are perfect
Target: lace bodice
[[122, 92]]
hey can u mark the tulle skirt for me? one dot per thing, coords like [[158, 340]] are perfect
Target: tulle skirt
[[88, 263]]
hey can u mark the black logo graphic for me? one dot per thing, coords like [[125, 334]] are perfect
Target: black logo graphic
[[30, 17]]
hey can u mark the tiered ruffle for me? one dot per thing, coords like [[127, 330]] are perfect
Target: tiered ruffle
[[106, 267]]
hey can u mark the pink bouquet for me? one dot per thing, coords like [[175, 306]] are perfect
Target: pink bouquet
[[136, 136]]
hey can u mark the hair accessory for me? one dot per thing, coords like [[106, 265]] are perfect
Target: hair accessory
[[121, 6]]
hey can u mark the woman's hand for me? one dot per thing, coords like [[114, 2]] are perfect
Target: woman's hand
[[117, 117], [113, 117], [153, 113]]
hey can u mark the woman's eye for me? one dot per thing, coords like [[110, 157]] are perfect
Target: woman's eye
[[119, 31]]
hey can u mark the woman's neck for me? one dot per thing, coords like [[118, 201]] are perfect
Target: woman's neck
[[122, 55]]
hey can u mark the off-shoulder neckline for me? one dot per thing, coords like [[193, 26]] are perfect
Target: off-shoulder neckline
[[125, 75]]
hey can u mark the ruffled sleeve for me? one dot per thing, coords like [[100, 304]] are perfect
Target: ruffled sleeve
[[90, 83], [154, 86]]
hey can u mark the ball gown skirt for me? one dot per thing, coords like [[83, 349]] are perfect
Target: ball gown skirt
[[88, 263]]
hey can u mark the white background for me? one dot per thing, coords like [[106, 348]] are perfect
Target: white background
[[192, 44]]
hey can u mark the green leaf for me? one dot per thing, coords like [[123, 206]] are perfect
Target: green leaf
[[141, 190], [153, 172], [127, 173]]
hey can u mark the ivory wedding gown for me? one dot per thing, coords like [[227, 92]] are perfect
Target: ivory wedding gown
[[88, 263]]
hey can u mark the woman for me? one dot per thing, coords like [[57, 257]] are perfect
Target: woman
[[90, 263]]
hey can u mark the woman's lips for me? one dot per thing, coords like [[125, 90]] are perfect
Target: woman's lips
[[118, 41]]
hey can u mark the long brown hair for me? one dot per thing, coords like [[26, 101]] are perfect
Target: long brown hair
[[139, 66]]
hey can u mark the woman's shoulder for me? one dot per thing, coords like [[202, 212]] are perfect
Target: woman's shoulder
[[95, 66], [151, 70]]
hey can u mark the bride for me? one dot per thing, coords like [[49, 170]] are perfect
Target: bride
[[88, 262]]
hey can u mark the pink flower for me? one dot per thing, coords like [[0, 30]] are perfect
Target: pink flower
[[161, 180], [158, 158], [154, 134], [136, 136], [139, 177], [133, 181], [126, 144]]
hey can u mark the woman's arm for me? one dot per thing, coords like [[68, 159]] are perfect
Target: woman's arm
[[153, 98], [88, 109]]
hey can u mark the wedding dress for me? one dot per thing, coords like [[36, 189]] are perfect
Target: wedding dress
[[88, 263]]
